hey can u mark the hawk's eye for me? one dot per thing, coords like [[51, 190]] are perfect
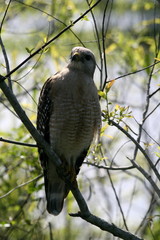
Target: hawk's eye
[[88, 57]]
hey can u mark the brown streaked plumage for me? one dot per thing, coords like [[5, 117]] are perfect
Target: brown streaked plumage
[[69, 117]]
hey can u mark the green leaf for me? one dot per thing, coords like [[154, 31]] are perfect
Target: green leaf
[[85, 18], [29, 50], [102, 94]]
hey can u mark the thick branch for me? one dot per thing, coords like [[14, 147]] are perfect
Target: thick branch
[[84, 211], [100, 223]]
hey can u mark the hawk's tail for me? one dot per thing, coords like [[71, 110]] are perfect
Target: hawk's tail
[[56, 192]]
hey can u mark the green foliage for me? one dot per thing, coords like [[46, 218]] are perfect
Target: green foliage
[[18, 165], [118, 113], [153, 231]]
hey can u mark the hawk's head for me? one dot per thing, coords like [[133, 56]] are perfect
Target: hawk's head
[[83, 59]]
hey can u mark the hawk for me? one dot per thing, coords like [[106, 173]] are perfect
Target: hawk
[[68, 118]]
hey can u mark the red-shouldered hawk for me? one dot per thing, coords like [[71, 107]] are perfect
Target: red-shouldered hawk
[[69, 117]]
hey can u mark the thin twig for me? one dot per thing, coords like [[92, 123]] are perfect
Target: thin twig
[[118, 201], [151, 95], [132, 73], [10, 110], [40, 10], [148, 213], [124, 168], [145, 155], [26, 91], [98, 44], [50, 231], [4, 16], [143, 121], [147, 176], [53, 17], [104, 33], [151, 112], [17, 143], [21, 185]]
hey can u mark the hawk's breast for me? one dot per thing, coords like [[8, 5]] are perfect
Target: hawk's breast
[[73, 124]]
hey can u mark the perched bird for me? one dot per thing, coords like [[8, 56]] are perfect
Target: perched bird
[[69, 118]]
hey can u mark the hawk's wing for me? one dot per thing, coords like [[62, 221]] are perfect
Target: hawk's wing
[[43, 117], [55, 187]]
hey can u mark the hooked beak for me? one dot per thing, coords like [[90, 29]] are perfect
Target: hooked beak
[[75, 57]]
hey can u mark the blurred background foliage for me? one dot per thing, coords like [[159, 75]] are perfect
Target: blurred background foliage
[[128, 34]]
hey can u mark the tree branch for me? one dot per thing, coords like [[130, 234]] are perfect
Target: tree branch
[[6, 62], [154, 185], [105, 226], [3, 47], [4, 16], [84, 211], [21, 185], [147, 176], [124, 168], [17, 143], [154, 92], [137, 71]]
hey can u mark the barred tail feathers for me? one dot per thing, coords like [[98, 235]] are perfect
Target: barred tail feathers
[[56, 191]]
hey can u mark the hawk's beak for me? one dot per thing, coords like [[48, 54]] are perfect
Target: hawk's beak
[[76, 57]]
